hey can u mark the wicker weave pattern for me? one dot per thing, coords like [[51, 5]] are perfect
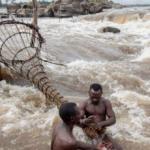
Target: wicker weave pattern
[[20, 46]]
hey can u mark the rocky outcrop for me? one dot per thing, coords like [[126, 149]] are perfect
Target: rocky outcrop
[[27, 12], [68, 8], [111, 29], [24, 12], [11, 77], [5, 73], [12, 8], [61, 8], [4, 15]]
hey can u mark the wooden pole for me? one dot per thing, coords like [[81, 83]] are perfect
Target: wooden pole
[[34, 21], [35, 11]]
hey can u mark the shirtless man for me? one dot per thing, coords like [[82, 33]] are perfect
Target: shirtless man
[[98, 112], [62, 137]]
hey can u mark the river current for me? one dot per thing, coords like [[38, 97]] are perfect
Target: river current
[[120, 62]]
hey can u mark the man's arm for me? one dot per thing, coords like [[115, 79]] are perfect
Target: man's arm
[[84, 146], [84, 121], [110, 114], [82, 109]]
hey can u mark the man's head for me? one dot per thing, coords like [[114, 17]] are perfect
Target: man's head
[[95, 93], [70, 113]]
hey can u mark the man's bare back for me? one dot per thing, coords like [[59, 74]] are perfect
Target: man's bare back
[[62, 139]]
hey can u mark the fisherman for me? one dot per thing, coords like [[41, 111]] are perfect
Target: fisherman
[[98, 115], [62, 136]]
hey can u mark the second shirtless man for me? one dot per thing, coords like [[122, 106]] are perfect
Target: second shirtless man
[[98, 115]]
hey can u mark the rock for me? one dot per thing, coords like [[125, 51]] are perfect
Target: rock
[[61, 8], [27, 12], [111, 29], [11, 77], [12, 8], [49, 12], [68, 8], [4, 15], [5, 74], [42, 12]]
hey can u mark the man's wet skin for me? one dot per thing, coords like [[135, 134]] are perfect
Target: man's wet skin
[[62, 137], [99, 108], [98, 111]]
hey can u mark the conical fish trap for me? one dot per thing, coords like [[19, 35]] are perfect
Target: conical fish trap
[[20, 45]]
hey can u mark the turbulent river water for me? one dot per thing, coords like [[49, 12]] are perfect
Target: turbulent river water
[[120, 62]]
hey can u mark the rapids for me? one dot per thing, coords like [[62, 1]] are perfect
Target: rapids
[[120, 62]]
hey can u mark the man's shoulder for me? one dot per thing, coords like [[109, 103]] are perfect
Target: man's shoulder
[[84, 103], [106, 101], [61, 133], [56, 122], [68, 142], [64, 143]]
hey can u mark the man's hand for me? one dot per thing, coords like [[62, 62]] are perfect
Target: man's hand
[[101, 147], [88, 120], [84, 146]]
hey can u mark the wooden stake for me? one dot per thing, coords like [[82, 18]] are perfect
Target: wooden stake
[[34, 22]]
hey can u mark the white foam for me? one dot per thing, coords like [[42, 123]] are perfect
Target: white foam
[[136, 116], [7, 127], [75, 37], [144, 56]]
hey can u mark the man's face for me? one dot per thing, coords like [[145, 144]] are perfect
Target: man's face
[[78, 115], [95, 96]]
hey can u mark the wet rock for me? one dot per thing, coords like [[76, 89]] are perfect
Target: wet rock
[[12, 8], [4, 15], [43, 12], [27, 12], [11, 77], [5, 74], [68, 8], [111, 29], [61, 8]]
